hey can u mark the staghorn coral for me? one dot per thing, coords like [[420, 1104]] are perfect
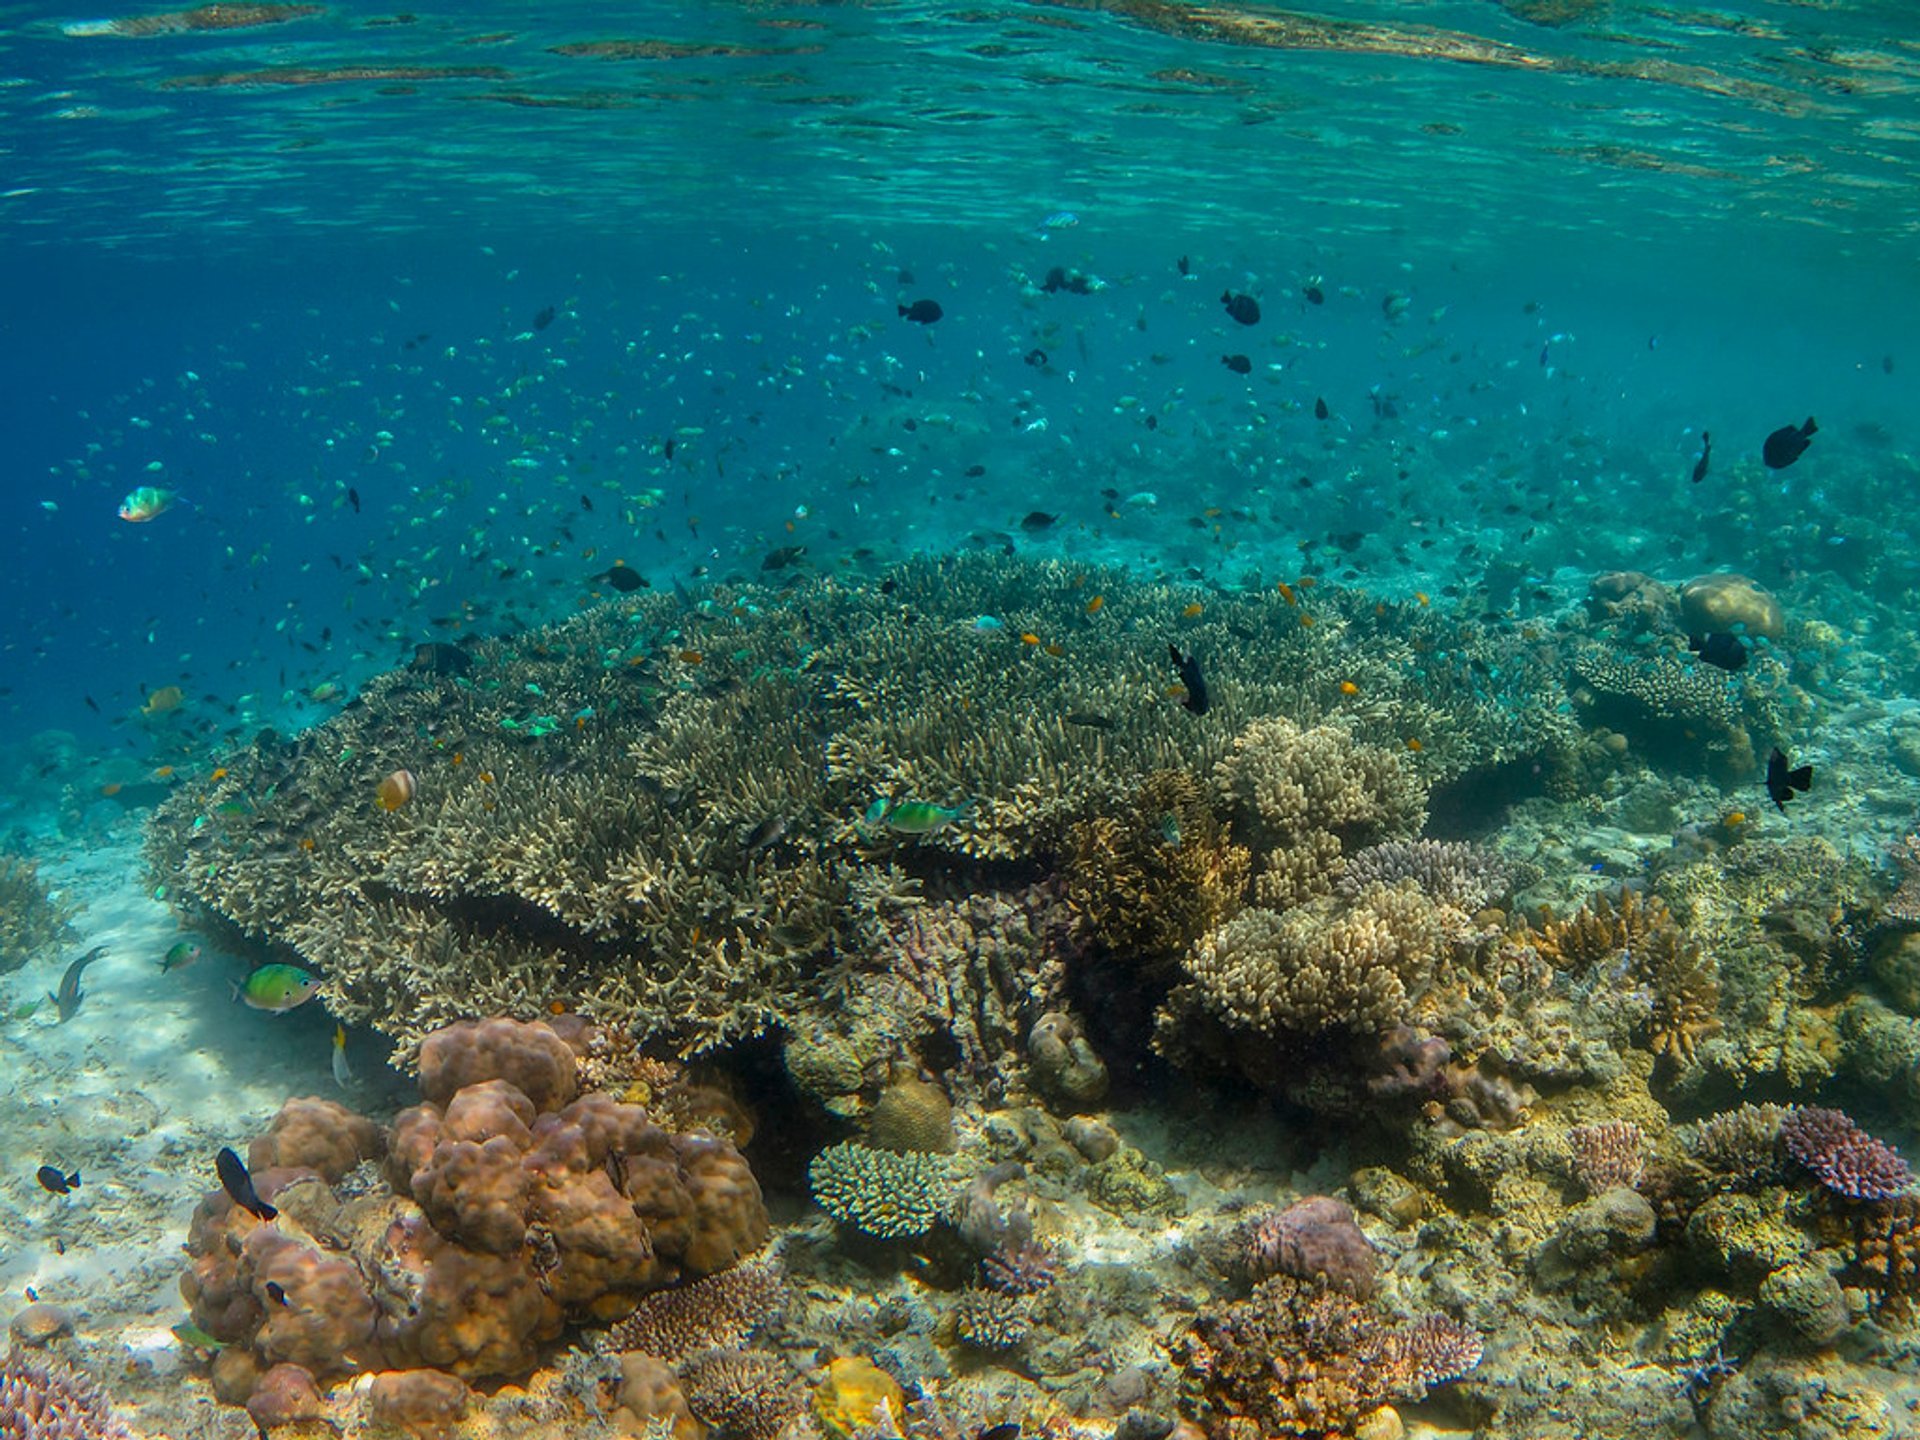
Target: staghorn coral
[[1295, 1359], [1152, 877], [1842, 1156], [588, 792], [1314, 1239], [745, 1393], [1599, 930], [31, 920], [888, 1194], [1607, 1154], [45, 1400], [1322, 965], [715, 1312], [1741, 1146], [1304, 797], [1452, 872]]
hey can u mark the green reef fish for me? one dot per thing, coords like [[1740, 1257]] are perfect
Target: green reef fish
[[191, 1335], [915, 817], [278, 988], [182, 952], [146, 503]]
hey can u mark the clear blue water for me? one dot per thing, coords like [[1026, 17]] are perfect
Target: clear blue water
[[237, 289]]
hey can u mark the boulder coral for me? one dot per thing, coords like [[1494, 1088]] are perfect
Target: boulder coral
[[499, 1225]]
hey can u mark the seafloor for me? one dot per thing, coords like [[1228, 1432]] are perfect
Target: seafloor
[[1001, 992]]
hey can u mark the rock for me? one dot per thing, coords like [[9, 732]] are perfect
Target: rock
[[1616, 1222], [1142, 1425], [286, 1395], [1807, 1301], [1726, 601], [1094, 1139], [41, 1323]]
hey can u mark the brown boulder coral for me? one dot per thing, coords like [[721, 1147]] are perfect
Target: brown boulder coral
[[503, 1225]]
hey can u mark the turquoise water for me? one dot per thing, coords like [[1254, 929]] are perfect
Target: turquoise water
[[428, 327]]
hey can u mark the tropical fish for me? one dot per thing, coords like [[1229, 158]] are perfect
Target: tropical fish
[[1315, 295], [68, 997], [342, 1072], [396, 790], [167, 698], [1787, 444], [623, 578], [146, 503], [1239, 364], [1243, 308], [1783, 779], [1706, 454], [921, 312], [1170, 829], [238, 1184], [1720, 648], [915, 817], [181, 952], [1036, 521], [277, 988], [1191, 678], [53, 1178], [191, 1335]]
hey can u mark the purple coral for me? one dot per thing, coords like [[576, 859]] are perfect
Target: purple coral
[[1313, 1239], [1608, 1155], [1435, 1349], [1023, 1268], [44, 1400], [1842, 1156]]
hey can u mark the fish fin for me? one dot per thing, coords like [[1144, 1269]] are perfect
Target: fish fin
[[234, 986], [1801, 778], [1809, 428], [74, 1180]]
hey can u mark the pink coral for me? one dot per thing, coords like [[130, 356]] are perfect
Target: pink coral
[[1842, 1156], [45, 1400]]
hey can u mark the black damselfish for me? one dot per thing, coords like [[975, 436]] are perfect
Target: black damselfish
[[52, 1177], [1239, 364], [1783, 778], [921, 312], [1191, 677], [1787, 444], [1243, 308], [238, 1184], [1721, 649], [1706, 454]]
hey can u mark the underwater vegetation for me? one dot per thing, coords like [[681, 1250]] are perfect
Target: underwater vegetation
[[31, 919]]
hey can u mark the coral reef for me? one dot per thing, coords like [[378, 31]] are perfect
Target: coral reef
[[1305, 797], [652, 812], [31, 920], [1607, 1154], [887, 1194], [1452, 872], [1887, 1253], [500, 1225], [1297, 1359], [747, 1393], [1153, 876], [43, 1399], [1842, 1156], [992, 1320], [715, 1312]]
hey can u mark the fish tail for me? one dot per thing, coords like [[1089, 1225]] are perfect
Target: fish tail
[[235, 988], [1809, 428]]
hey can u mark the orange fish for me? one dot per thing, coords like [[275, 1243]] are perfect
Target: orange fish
[[486, 777], [1422, 597], [219, 774], [1194, 611], [165, 772], [1307, 620], [692, 657], [1307, 582], [306, 842], [1027, 637], [1055, 649], [1286, 593], [166, 698], [1413, 745], [1347, 687], [112, 787], [1093, 605]]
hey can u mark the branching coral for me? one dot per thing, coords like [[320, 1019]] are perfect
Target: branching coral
[[1452, 872], [1296, 1359], [883, 1193], [1607, 1154], [1842, 1156], [746, 1393], [1153, 876], [715, 1312], [30, 918], [1887, 1252], [1324, 964], [1304, 797]]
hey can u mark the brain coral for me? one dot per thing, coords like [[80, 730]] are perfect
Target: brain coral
[[891, 1195]]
